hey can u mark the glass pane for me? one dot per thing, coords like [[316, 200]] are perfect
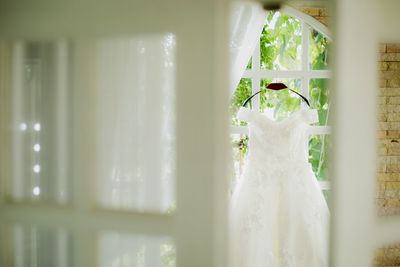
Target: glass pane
[[135, 80], [124, 250], [280, 43], [319, 98], [319, 148], [31, 246], [242, 92], [280, 104], [34, 117], [319, 46]]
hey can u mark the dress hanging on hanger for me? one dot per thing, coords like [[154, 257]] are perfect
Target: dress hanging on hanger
[[278, 214]]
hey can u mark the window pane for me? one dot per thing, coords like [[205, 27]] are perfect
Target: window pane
[[319, 46], [124, 250], [31, 246], [243, 91], [280, 104], [35, 133], [319, 98], [280, 43], [136, 123], [319, 148]]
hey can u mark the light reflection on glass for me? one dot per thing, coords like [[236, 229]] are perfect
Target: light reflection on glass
[[35, 74], [23, 126], [126, 250], [36, 191], [136, 156], [36, 168], [37, 127], [33, 246], [36, 147]]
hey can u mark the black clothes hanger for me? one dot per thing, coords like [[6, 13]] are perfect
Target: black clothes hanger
[[276, 87]]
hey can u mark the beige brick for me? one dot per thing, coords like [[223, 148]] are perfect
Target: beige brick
[[387, 91], [391, 159], [390, 74], [393, 125], [381, 134], [388, 177], [382, 151], [392, 108], [380, 189], [381, 168], [393, 116], [392, 168], [392, 203], [323, 20], [389, 143], [388, 108], [391, 193], [312, 11], [383, 65], [389, 56], [382, 100], [382, 48], [393, 65], [393, 134], [323, 12], [381, 202], [393, 48], [382, 83], [392, 186], [393, 100], [382, 117], [393, 149], [389, 212], [392, 83]]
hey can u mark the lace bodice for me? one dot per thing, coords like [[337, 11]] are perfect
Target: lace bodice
[[278, 141]]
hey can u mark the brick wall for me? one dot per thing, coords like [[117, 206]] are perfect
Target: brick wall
[[319, 13], [388, 195], [388, 177]]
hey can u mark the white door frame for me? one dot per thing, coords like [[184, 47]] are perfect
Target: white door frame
[[200, 27]]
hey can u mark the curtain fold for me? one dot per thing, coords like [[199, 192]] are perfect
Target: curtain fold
[[247, 21]]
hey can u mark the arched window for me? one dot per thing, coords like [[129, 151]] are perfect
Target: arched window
[[293, 49]]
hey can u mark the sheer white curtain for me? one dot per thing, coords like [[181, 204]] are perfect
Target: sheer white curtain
[[136, 122], [247, 22]]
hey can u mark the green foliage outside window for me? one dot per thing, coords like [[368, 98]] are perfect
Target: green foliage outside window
[[319, 47], [280, 43], [243, 91]]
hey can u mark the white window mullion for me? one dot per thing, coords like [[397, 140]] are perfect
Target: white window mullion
[[20, 123], [305, 59], [62, 119], [310, 74], [312, 130], [255, 81]]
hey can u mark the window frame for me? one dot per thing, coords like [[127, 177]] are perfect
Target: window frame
[[256, 74]]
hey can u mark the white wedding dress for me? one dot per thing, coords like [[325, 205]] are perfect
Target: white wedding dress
[[278, 214]]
